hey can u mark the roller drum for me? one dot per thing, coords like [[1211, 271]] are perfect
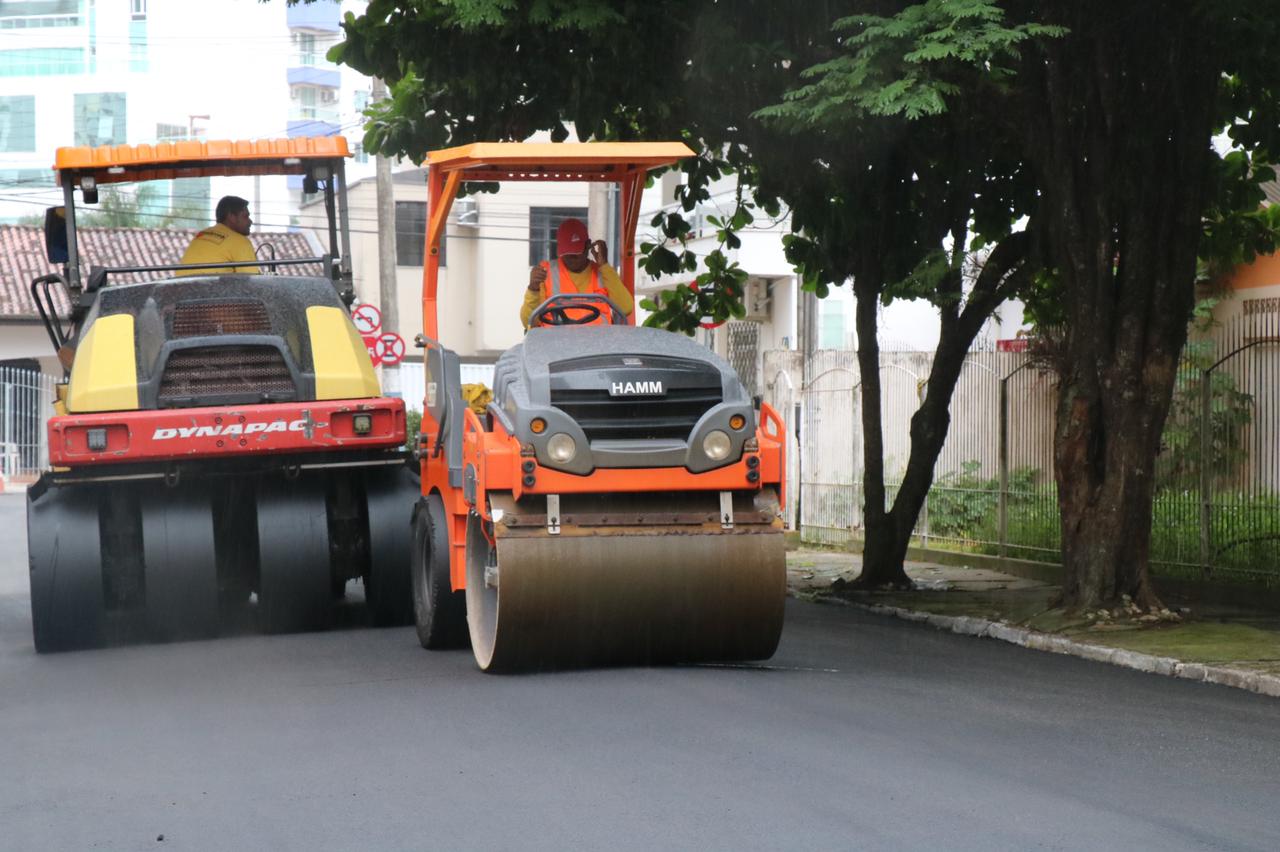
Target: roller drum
[[623, 595]]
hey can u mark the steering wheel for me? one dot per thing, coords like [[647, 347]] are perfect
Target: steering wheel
[[586, 309]]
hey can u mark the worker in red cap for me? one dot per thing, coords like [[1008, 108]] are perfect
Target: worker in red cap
[[580, 266]]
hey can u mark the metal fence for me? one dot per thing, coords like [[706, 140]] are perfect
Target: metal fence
[[413, 383], [1216, 511], [25, 405]]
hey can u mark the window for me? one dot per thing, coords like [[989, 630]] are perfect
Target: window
[[361, 156], [18, 123], [543, 222], [308, 97], [138, 44], [138, 10], [32, 14], [100, 119], [306, 48], [18, 178], [41, 61], [170, 132], [411, 234], [360, 101]]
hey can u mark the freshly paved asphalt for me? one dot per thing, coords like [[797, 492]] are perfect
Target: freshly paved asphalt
[[862, 732]]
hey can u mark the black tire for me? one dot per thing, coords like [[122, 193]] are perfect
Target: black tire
[[390, 496], [181, 570], [439, 612], [68, 611], [294, 592]]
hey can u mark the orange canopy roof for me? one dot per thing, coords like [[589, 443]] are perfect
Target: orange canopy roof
[[194, 158], [571, 161]]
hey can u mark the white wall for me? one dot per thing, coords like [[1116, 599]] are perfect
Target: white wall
[[28, 340]]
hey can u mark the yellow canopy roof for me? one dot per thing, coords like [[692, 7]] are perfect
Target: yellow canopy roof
[[194, 158], [567, 161]]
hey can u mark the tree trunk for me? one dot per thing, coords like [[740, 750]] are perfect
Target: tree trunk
[[1120, 133], [884, 549]]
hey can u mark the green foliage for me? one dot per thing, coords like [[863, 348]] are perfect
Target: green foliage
[[1245, 528], [905, 64], [1230, 411], [1237, 227], [120, 208], [963, 503], [412, 426]]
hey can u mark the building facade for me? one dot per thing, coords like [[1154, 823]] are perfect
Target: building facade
[[106, 72]]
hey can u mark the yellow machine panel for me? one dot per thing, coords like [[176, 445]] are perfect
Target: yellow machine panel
[[342, 365], [104, 376]]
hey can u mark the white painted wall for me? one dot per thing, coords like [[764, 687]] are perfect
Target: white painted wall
[[28, 340]]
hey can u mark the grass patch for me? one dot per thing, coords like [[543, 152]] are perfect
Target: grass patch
[[1197, 642]]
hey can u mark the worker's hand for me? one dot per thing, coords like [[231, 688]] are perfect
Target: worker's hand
[[599, 252], [536, 276]]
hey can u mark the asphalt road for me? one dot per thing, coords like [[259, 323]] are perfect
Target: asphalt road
[[862, 732]]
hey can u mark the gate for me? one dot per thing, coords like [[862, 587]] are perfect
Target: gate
[[829, 449], [25, 404], [1234, 450]]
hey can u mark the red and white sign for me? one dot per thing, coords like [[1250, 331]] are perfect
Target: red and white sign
[[367, 319], [1013, 344], [371, 344], [389, 350]]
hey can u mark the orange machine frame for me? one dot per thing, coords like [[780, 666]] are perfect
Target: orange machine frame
[[624, 163], [194, 158]]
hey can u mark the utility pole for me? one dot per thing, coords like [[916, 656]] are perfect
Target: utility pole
[[386, 252]]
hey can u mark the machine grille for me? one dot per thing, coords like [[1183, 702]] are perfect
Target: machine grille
[[202, 319], [205, 372], [603, 417]]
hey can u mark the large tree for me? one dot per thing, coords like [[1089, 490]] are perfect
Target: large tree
[[1117, 121]]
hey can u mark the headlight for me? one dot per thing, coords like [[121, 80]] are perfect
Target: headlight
[[717, 445], [561, 448]]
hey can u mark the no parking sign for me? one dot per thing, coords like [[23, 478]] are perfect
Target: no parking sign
[[367, 319]]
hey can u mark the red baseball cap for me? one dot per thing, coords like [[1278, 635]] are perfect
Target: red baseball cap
[[571, 237]]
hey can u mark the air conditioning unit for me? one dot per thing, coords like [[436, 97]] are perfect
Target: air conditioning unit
[[328, 96], [295, 93], [468, 213], [758, 299]]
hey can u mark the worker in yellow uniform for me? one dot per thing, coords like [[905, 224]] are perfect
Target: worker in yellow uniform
[[225, 242], [581, 266]]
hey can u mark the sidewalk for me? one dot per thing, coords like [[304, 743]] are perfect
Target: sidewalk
[[1228, 645]]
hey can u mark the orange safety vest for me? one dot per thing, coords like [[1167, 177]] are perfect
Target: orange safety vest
[[558, 282]]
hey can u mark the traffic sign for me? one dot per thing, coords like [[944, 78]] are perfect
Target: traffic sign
[[371, 343], [367, 319], [390, 349]]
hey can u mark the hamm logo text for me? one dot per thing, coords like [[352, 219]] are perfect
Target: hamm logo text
[[636, 389]]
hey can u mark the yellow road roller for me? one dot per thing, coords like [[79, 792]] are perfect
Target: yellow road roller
[[220, 436]]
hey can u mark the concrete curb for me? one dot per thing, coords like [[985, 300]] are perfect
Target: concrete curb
[[965, 625]]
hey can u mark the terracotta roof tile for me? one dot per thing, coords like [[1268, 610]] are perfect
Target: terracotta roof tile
[[22, 257]]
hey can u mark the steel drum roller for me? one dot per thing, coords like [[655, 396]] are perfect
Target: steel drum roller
[[623, 595]]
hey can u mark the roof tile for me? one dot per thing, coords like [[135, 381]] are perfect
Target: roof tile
[[22, 257]]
